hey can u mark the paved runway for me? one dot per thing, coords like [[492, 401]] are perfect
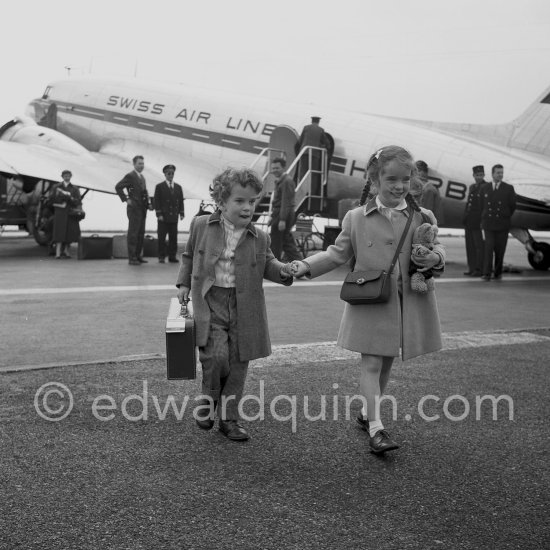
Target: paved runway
[[468, 474], [60, 312]]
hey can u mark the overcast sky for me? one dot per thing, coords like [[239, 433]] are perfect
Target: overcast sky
[[471, 60]]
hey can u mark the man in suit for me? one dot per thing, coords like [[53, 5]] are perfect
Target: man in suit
[[138, 201], [472, 224], [498, 204], [283, 213], [168, 205], [313, 135]]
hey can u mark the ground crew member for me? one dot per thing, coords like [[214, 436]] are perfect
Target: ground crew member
[[472, 224], [168, 205], [498, 205], [137, 200]]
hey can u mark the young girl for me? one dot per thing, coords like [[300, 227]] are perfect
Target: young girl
[[408, 324], [223, 267]]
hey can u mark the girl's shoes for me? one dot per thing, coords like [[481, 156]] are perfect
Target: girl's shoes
[[381, 442]]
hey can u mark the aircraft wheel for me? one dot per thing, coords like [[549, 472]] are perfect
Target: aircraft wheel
[[41, 236], [540, 260]]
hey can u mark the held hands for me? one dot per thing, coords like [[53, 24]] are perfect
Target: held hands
[[282, 225], [286, 271], [298, 268], [183, 294]]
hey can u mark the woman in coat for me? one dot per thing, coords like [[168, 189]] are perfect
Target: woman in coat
[[407, 324], [67, 204]]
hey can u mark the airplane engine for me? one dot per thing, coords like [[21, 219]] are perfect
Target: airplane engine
[[25, 130]]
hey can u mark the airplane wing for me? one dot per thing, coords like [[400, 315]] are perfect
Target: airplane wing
[[33, 151], [90, 171]]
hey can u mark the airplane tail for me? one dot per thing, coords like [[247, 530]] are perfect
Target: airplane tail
[[528, 132]]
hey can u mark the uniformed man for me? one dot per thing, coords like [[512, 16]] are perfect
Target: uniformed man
[[138, 201], [472, 224], [313, 135], [168, 205], [498, 205]]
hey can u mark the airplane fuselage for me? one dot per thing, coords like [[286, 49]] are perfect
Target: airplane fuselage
[[176, 124]]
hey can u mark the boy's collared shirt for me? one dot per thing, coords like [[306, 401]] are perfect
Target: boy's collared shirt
[[224, 268]]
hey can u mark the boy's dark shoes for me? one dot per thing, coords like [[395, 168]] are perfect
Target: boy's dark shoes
[[363, 422], [161, 260], [205, 415], [381, 442], [233, 430]]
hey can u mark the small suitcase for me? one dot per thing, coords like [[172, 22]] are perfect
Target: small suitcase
[[181, 355], [150, 246], [120, 246], [95, 247]]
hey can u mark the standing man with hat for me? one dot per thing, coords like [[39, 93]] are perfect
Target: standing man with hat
[[472, 224], [498, 205], [137, 200], [313, 135], [168, 205]]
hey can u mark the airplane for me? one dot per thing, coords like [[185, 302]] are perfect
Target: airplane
[[93, 126]]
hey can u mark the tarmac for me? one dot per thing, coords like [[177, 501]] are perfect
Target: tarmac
[[127, 467]]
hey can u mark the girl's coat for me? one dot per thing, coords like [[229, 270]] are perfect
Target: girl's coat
[[381, 329]]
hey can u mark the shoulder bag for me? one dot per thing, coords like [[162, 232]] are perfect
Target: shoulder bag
[[372, 286]]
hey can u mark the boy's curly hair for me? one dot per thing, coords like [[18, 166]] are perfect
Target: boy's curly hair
[[222, 185]]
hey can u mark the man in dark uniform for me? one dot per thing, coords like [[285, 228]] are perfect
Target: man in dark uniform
[[283, 213], [313, 135], [472, 224], [498, 205], [137, 200], [168, 205]]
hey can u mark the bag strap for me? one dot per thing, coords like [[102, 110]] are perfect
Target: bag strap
[[402, 240]]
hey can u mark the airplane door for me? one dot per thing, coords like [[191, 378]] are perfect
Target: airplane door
[[285, 139]]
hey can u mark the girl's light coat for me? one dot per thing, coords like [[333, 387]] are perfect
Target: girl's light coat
[[381, 329]]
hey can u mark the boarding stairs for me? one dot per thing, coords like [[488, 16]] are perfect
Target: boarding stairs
[[263, 207], [311, 187]]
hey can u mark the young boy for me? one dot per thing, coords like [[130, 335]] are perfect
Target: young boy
[[223, 265]]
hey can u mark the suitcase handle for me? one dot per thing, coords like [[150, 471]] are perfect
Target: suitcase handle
[[184, 309]]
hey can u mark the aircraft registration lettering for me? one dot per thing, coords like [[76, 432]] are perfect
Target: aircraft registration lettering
[[135, 104], [354, 167], [456, 190]]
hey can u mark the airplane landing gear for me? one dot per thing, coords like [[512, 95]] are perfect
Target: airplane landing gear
[[540, 257], [538, 254]]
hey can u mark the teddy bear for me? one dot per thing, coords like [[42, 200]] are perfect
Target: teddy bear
[[422, 243]]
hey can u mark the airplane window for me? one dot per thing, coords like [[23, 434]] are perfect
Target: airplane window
[[46, 92]]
